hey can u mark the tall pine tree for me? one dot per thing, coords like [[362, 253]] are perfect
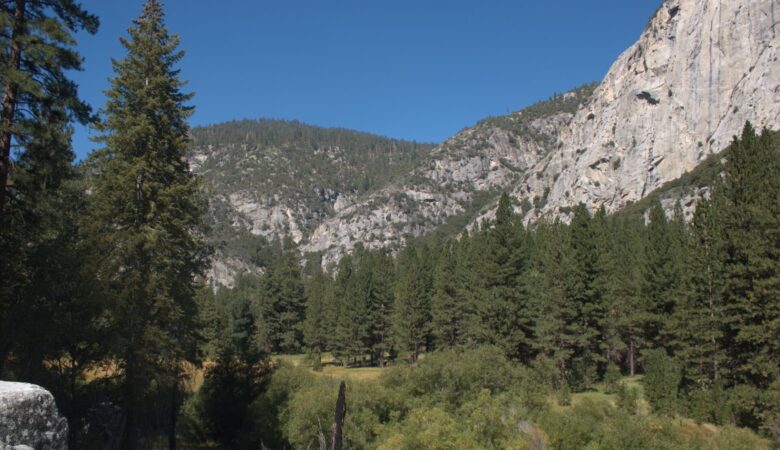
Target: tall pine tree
[[147, 210], [750, 199]]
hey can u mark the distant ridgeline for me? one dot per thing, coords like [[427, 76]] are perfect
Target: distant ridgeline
[[270, 179]]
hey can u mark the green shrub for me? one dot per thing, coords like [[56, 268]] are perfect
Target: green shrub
[[627, 398], [661, 381], [564, 395], [612, 378]]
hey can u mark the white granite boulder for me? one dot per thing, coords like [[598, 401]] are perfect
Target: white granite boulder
[[29, 419]]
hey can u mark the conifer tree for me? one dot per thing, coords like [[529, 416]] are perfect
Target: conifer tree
[[289, 301], [750, 199], [37, 52], [700, 320], [663, 286], [588, 242], [500, 311], [621, 283], [147, 210], [447, 305], [381, 306], [338, 341], [412, 308], [315, 333], [557, 326], [39, 102]]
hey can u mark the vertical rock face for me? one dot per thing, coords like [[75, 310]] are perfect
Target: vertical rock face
[[700, 69], [29, 419]]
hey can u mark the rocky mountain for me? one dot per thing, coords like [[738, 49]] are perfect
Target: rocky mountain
[[698, 71], [271, 179], [455, 183]]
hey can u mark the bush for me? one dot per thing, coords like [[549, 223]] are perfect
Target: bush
[[612, 378], [661, 381], [627, 399], [564, 395], [220, 411], [709, 405]]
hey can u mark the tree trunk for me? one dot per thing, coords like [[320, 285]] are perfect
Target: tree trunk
[[338, 420], [631, 361], [130, 431], [9, 103], [174, 410]]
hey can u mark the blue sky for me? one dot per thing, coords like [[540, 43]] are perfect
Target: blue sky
[[412, 69]]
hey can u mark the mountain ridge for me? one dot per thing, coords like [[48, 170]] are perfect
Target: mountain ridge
[[697, 72]]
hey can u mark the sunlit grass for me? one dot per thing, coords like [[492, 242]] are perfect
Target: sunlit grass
[[331, 367]]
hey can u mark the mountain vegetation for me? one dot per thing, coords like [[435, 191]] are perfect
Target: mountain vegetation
[[269, 179], [691, 306], [647, 328]]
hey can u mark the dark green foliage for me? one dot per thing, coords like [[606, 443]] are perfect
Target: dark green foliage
[[663, 284], [710, 404], [412, 307], [39, 99], [500, 305], [222, 404], [612, 378], [750, 200], [449, 304], [558, 329], [315, 332], [146, 220], [661, 381], [701, 315]]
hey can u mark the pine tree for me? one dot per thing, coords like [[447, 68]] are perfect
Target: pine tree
[[381, 306], [664, 288], [447, 305], [588, 242], [39, 103], [621, 280], [338, 341], [749, 196], [147, 210], [500, 312], [315, 333], [700, 320], [37, 52], [558, 328], [412, 307], [290, 301]]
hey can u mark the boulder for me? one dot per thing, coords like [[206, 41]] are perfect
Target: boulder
[[29, 419]]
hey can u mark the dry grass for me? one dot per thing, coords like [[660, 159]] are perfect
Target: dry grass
[[331, 369]]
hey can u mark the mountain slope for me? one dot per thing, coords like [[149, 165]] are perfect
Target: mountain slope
[[699, 70], [458, 178], [270, 179]]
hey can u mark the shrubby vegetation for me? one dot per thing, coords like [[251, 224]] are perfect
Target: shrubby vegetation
[[456, 399], [597, 299]]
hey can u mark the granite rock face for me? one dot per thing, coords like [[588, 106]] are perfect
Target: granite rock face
[[699, 70], [29, 419]]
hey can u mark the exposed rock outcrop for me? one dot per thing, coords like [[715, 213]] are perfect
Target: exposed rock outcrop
[[699, 70], [29, 419]]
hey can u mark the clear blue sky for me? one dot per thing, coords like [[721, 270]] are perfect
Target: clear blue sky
[[413, 69]]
